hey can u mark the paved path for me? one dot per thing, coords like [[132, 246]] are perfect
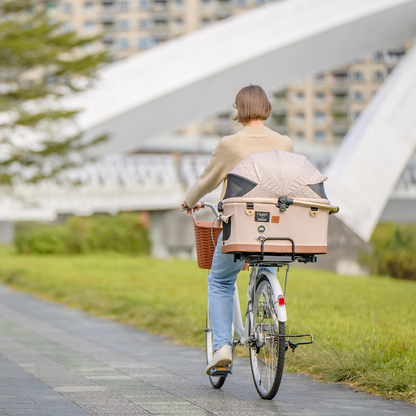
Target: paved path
[[57, 361]]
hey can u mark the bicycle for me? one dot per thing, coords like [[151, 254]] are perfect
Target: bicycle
[[264, 331]]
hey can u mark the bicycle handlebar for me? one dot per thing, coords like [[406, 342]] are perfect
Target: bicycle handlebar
[[204, 205], [213, 209]]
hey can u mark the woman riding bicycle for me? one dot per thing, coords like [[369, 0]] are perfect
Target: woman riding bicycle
[[253, 107]]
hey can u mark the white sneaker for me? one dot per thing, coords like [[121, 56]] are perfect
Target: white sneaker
[[222, 357]]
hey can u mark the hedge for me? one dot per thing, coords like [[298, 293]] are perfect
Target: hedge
[[394, 251], [121, 233]]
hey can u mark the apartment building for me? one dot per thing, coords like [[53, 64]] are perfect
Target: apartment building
[[131, 26], [319, 108]]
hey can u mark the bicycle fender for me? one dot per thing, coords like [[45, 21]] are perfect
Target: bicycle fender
[[277, 290]]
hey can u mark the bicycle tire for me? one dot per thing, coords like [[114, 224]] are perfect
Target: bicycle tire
[[216, 382], [267, 357]]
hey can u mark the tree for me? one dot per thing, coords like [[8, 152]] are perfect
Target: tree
[[39, 64]]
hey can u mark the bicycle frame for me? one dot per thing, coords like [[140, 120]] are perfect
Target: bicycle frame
[[264, 330]]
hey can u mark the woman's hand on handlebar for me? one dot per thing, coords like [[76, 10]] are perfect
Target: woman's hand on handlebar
[[197, 207]]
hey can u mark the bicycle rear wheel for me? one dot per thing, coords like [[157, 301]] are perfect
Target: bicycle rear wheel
[[217, 382], [267, 358]]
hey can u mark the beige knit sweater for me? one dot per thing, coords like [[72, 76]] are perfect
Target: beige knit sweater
[[230, 151]]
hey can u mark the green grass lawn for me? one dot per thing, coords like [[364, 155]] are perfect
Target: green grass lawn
[[364, 328]]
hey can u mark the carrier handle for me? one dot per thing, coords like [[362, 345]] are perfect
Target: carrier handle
[[277, 238], [334, 209]]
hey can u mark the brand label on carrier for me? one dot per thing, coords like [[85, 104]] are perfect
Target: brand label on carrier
[[262, 216]]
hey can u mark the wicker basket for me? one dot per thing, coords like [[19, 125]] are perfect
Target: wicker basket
[[204, 245], [203, 239]]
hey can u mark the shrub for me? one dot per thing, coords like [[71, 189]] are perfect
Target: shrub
[[122, 233], [394, 247]]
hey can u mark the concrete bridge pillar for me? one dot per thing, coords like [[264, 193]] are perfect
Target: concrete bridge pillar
[[172, 233], [6, 232]]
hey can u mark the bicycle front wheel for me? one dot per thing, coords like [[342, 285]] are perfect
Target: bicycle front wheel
[[267, 357]]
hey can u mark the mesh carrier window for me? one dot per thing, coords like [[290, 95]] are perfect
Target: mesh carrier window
[[238, 186], [319, 189]]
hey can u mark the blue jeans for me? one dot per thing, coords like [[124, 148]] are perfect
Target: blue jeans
[[221, 282]]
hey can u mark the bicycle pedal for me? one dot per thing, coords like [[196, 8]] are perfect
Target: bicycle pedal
[[220, 371]]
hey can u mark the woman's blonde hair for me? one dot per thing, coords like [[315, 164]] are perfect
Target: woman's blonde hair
[[252, 104]]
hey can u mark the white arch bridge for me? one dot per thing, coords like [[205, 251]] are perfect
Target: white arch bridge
[[137, 183]]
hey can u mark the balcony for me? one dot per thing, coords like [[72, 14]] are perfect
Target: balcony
[[108, 6], [340, 125], [340, 106], [108, 24], [279, 118], [159, 6], [160, 26], [339, 82]]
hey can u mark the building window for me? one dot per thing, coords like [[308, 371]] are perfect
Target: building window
[[88, 5], [319, 117], [357, 76], [205, 4], [123, 43], [319, 78], [319, 97], [67, 26], [319, 136], [178, 4], [378, 56], [358, 96], [124, 5], [299, 136], [299, 118], [108, 42], [299, 97], [88, 26], [178, 23], [144, 24], [378, 76], [260, 2], [241, 3], [123, 25], [145, 43], [144, 4], [51, 5], [108, 5], [67, 8], [205, 21]]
